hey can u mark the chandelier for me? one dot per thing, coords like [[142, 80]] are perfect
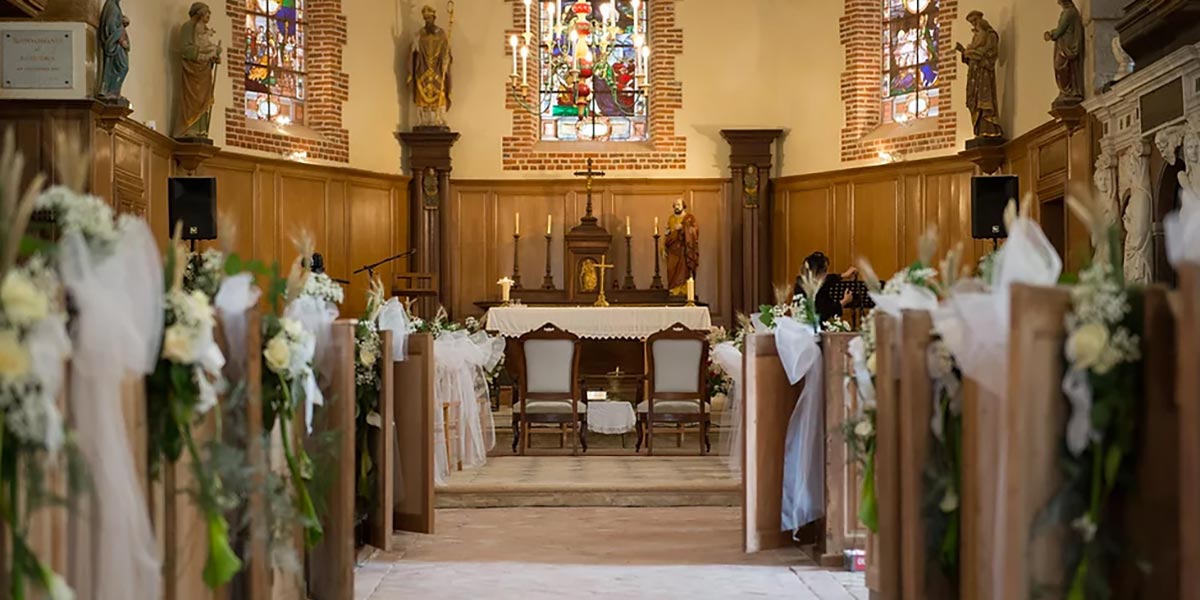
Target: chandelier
[[590, 60]]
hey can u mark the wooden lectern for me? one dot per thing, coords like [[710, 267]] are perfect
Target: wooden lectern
[[422, 287]]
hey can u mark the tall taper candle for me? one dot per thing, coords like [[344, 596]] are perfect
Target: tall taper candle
[[655, 225], [549, 224], [627, 228], [526, 17], [517, 225], [691, 290], [524, 65], [512, 41]]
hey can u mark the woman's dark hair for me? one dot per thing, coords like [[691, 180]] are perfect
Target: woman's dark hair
[[817, 262], [318, 263]]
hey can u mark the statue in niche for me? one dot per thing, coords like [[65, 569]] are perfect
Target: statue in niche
[[1106, 189], [1068, 54], [113, 42], [199, 57], [980, 57], [589, 280], [430, 71], [682, 247], [1135, 173]]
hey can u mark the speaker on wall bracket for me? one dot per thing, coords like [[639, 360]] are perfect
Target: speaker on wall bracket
[[990, 194], [193, 201]]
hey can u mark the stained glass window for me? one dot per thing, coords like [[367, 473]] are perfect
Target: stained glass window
[[606, 102], [910, 60], [275, 61]]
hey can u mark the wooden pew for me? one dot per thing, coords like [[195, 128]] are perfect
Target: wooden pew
[[1188, 397], [843, 530], [883, 550], [382, 449], [769, 402], [981, 464], [413, 405], [331, 561]]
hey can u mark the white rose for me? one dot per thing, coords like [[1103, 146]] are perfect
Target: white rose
[[277, 354], [366, 356], [1086, 344], [292, 327], [177, 346], [14, 358], [949, 502], [24, 304], [864, 429]]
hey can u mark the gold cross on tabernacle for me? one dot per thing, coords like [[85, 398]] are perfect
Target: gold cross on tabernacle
[[589, 173], [602, 267]]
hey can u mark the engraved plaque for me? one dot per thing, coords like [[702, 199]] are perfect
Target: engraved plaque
[[38, 59]]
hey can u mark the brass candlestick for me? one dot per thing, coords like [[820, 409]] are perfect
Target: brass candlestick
[[516, 274], [548, 280], [629, 285], [656, 283]]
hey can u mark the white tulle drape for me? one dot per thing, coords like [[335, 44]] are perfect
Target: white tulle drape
[[461, 361], [804, 449], [237, 294], [1183, 227], [974, 325], [392, 317], [729, 358], [117, 332], [316, 316]]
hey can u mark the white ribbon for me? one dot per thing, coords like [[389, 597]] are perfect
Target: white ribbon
[[316, 315], [117, 330], [392, 317], [236, 295], [1183, 228], [1078, 390], [910, 297], [804, 449], [862, 375], [729, 358]]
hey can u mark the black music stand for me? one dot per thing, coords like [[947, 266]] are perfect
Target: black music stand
[[859, 304]]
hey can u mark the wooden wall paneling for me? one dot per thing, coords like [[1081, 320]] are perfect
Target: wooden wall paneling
[[303, 208], [336, 250], [1031, 429], [370, 238], [331, 561], [476, 259], [877, 223], [268, 216], [843, 530], [413, 406], [914, 190], [236, 203], [843, 228], [781, 237], [770, 400], [887, 457], [1188, 396], [808, 229]]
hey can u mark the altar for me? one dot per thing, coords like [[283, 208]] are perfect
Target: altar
[[598, 323]]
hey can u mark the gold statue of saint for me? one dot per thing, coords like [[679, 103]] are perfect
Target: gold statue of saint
[[588, 281], [430, 71]]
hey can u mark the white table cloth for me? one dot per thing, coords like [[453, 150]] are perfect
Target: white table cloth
[[605, 323], [611, 418]]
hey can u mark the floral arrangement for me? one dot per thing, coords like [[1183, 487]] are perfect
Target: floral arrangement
[[33, 345], [85, 214], [801, 307], [288, 352], [473, 325], [859, 429], [1102, 383], [368, 381], [943, 469], [837, 325], [719, 382], [205, 272], [181, 391], [439, 324], [320, 285]]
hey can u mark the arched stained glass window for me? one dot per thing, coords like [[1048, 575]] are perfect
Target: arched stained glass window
[[910, 60], [275, 60], [600, 100]]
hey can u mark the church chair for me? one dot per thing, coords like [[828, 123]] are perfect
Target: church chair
[[677, 384], [548, 387]]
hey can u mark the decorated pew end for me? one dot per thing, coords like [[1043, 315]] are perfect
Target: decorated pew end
[[331, 561], [413, 406], [883, 548], [1188, 396], [843, 530], [382, 442]]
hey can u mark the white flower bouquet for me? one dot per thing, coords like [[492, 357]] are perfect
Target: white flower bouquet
[[85, 214], [205, 272], [368, 380], [320, 285]]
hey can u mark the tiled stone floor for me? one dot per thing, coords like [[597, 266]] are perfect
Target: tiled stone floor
[[631, 553]]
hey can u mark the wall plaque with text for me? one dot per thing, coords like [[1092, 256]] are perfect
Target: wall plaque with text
[[37, 59]]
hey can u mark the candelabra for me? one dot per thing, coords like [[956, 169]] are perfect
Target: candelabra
[[629, 285], [516, 275], [656, 283], [548, 280]]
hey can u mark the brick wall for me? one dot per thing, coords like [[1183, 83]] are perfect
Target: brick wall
[[667, 150], [861, 31], [328, 87]]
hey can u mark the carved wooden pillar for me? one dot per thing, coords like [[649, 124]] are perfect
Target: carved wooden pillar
[[750, 214], [429, 162]]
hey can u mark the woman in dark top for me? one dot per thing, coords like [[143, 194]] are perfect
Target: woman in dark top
[[827, 306]]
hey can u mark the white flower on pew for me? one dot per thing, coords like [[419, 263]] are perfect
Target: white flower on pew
[[80, 213], [24, 304], [188, 340], [1085, 526], [949, 502], [290, 352], [14, 358], [1086, 344], [864, 429], [320, 285]]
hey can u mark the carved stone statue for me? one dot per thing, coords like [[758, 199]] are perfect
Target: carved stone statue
[[1189, 178], [1106, 189], [1168, 141], [1068, 53], [980, 57], [430, 71], [199, 57], [1138, 219], [682, 246], [1124, 60], [113, 42]]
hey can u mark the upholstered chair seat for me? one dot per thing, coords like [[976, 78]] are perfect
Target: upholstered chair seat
[[670, 406], [552, 407]]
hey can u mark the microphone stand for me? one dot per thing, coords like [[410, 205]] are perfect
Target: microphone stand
[[370, 269]]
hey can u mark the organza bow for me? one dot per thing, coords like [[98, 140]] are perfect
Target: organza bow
[[804, 449], [236, 295], [316, 316], [392, 317]]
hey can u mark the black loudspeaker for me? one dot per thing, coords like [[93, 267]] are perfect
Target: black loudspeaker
[[989, 196], [193, 200]]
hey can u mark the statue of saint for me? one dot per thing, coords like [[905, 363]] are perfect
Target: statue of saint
[[1139, 222], [113, 42], [430, 73], [199, 59], [1106, 189], [980, 58], [682, 248], [1068, 53]]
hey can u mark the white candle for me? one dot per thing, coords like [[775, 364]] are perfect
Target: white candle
[[517, 225], [524, 65], [505, 289], [549, 224], [691, 289], [512, 41], [634, 4], [655, 225], [645, 60], [627, 229], [527, 18]]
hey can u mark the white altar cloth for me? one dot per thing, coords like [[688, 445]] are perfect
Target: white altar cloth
[[611, 418], [605, 323]]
